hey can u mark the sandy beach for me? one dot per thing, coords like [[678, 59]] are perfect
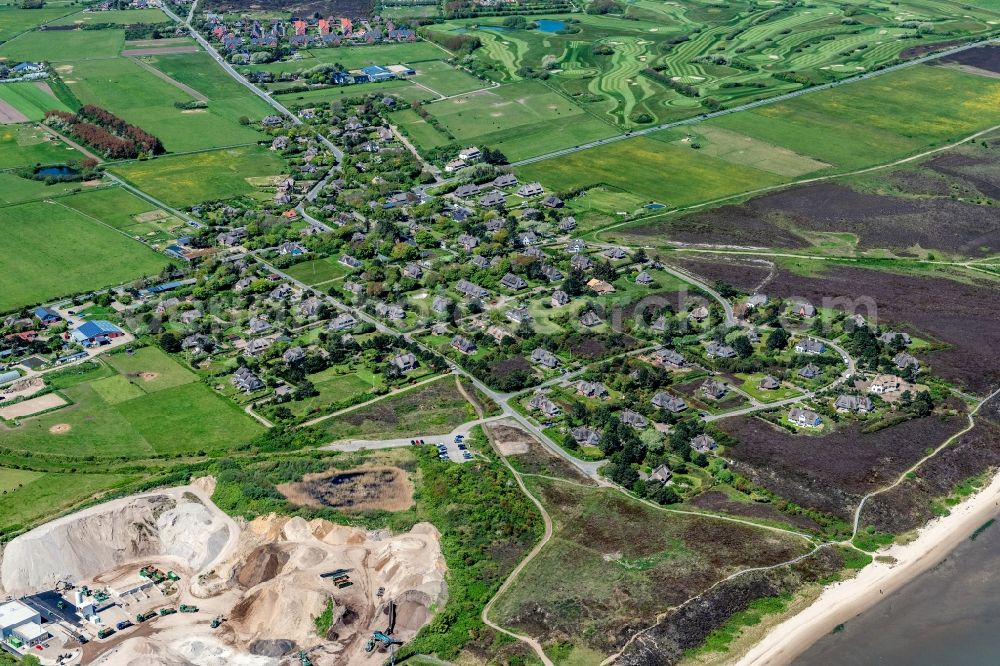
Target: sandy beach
[[842, 601]]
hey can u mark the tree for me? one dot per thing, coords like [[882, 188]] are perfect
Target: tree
[[170, 343], [741, 344], [777, 340], [665, 495]]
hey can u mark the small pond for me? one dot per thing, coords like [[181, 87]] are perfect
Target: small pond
[[550, 25], [61, 171]]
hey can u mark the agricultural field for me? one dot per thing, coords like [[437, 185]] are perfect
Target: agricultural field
[[24, 145], [435, 408], [605, 570], [521, 120], [61, 46], [405, 90], [149, 405], [31, 99], [14, 20], [658, 62], [14, 189], [355, 57], [115, 17], [444, 79], [109, 83], [48, 249], [112, 206], [185, 180]]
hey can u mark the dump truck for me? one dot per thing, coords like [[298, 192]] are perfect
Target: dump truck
[[167, 611], [336, 573], [216, 621], [345, 584], [104, 633], [188, 609], [172, 576], [142, 617]]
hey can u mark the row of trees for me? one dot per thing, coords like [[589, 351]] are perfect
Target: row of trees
[[106, 132]]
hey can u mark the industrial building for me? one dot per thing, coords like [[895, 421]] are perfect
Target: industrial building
[[20, 626]]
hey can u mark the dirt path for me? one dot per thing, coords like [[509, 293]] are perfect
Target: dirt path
[[131, 53], [174, 82], [71, 143]]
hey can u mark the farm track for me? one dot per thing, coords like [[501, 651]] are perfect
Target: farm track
[[174, 82]]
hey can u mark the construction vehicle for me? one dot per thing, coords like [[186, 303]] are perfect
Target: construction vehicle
[[345, 584], [142, 617], [188, 609], [385, 638], [380, 592], [304, 659], [341, 579], [104, 633], [172, 576], [124, 624], [167, 611], [216, 621], [335, 574]]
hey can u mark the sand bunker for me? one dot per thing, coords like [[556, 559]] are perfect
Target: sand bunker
[[60, 429], [362, 489], [148, 376]]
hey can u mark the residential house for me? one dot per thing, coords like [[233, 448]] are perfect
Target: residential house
[[530, 190], [717, 350], [576, 246], [455, 165], [47, 316], [545, 358], [167, 304], [809, 346], [349, 261], [518, 315], [591, 389], [292, 249], [353, 287], [513, 282], [281, 292], [190, 316], [405, 362], [661, 474], [541, 402], [479, 261], [441, 304], [703, 444], [567, 224], [390, 311], [614, 253], [810, 371], [466, 191], [902, 360], [245, 380], [804, 310], [590, 319], [859, 404], [585, 436], [804, 418], [893, 336], [769, 383], [258, 325], [310, 307], [600, 286], [505, 180], [671, 403], [412, 270], [634, 419], [470, 290], [699, 314], [670, 358], [883, 384], [343, 322], [96, 332], [257, 346], [581, 262], [552, 201], [756, 300], [493, 199], [526, 238], [242, 283], [467, 241], [714, 389], [463, 345], [551, 273], [559, 298], [293, 355], [469, 154], [644, 279]]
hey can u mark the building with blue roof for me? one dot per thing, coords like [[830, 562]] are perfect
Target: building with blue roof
[[96, 332], [376, 73], [47, 316]]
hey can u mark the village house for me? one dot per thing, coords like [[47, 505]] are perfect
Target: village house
[[576, 246], [769, 383], [809, 346], [671, 403], [405, 362], [412, 270], [167, 304], [859, 404], [890, 337], [96, 332], [518, 315], [527, 238], [530, 190], [551, 273], [257, 346], [703, 444], [659, 325], [699, 314], [634, 419], [293, 355], [497, 333], [441, 304], [669, 358], [343, 322], [390, 311], [600, 286], [479, 261], [756, 300], [614, 253], [541, 402], [310, 307], [804, 418], [590, 319], [585, 436], [349, 261], [902, 360], [559, 298], [47, 316], [505, 180], [513, 282], [591, 389], [493, 199], [467, 242], [581, 262], [545, 358], [810, 371], [804, 310], [245, 380], [552, 201], [714, 389], [644, 279], [662, 474], [716, 350], [470, 290], [883, 384], [463, 345], [258, 325], [353, 287], [567, 224], [190, 316], [466, 191]]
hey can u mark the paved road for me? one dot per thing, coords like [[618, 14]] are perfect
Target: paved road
[[454, 453], [753, 105]]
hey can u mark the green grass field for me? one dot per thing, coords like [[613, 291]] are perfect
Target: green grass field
[[48, 249], [30, 99], [445, 79], [23, 145], [654, 170], [124, 414], [355, 57], [317, 271], [521, 119], [435, 408], [110, 83], [185, 180], [49, 493], [14, 20], [111, 205], [116, 17], [61, 46]]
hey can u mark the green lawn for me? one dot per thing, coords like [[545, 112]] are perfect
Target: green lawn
[[30, 99], [23, 145], [360, 56], [185, 180], [14, 189], [116, 17], [657, 171], [50, 493], [751, 386], [111, 205], [14, 20], [435, 408], [123, 415], [111, 83], [59, 46], [316, 271], [445, 79], [12, 479], [48, 250]]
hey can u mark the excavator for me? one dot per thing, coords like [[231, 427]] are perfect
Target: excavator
[[385, 637]]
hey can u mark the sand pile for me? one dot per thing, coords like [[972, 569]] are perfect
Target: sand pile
[[99, 539], [202, 651]]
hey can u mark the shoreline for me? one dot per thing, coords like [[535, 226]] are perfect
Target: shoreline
[[841, 602]]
